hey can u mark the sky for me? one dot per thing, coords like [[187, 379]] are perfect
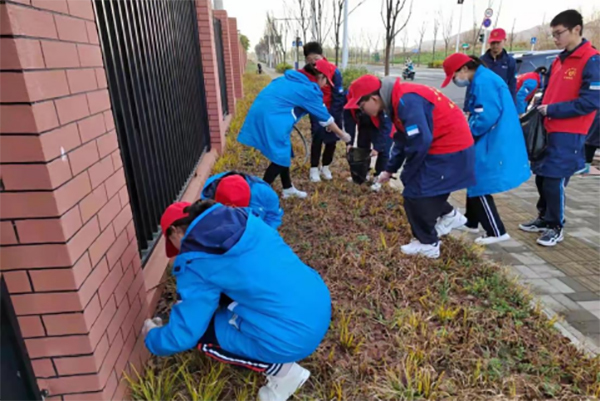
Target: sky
[[366, 22]]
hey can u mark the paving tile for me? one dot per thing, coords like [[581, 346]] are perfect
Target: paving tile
[[540, 286], [590, 305], [525, 271], [584, 296], [559, 303], [560, 286], [575, 284], [529, 258], [589, 328], [581, 316], [546, 271]]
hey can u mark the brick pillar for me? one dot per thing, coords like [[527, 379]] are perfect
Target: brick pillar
[[211, 73], [231, 100], [69, 252], [235, 57]]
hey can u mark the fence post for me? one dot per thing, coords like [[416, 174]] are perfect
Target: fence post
[[69, 253], [211, 74], [235, 57], [231, 98]]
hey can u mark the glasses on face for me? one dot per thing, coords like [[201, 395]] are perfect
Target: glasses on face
[[557, 34]]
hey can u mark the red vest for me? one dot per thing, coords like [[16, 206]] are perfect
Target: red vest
[[325, 89], [563, 86], [524, 77], [451, 131]]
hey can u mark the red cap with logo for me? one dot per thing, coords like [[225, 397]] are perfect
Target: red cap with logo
[[326, 68], [362, 86], [453, 63], [233, 191], [497, 35], [173, 213]]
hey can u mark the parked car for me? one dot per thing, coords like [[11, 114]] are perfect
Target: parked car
[[529, 61]]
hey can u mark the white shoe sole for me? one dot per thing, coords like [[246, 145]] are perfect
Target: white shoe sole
[[492, 240], [443, 230], [427, 254], [315, 180], [529, 229], [468, 229], [326, 178], [303, 379], [285, 196]]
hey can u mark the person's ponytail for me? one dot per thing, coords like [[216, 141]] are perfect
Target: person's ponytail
[[474, 63], [194, 210]]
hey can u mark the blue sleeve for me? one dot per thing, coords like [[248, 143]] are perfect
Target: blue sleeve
[[338, 98], [528, 86], [209, 181], [487, 109], [397, 154], [349, 124], [512, 79], [272, 212], [467, 98], [416, 114], [381, 138], [189, 318], [311, 100], [589, 94]]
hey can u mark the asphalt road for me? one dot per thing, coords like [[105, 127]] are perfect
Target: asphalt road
[[426, 76]]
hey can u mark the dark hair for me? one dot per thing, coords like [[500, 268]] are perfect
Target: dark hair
[[313, 48], [569, 19], [369, 96], [541, 70], [474, 63], [312, 70], [193, 211]]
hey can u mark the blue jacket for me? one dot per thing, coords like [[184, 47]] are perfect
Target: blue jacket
[[593, 137], [424, 174], [338, 100], [501, 161], [264, 201], [274, 112], [281, 309], [505, 67], [528, 86], [564, 151]]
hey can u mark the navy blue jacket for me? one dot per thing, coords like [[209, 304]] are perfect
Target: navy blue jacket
[[424, 174], [505, 67], [379, 137], [593, 137], [563, 155], [338, 100]]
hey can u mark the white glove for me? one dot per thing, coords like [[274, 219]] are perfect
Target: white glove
[[150, 324], [384, 177], [346, 137]]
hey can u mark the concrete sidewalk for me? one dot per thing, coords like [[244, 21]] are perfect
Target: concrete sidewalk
[[565, 277]]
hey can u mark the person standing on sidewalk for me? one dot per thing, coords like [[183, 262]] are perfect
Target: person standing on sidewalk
[[501, 161], [272, 116], [435, 145], [499, 61], [324, 141], [570, 102]]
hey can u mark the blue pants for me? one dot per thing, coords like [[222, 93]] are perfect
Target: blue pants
[[551, 205]]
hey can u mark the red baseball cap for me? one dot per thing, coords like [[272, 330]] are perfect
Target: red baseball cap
[[234, 191], [362, 86], [173, 213], [497, 35], [326, 68], [453, 63]]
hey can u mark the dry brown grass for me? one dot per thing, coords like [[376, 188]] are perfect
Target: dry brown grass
[[403, 328]]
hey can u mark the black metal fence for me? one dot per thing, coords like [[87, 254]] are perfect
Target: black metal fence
[[221, 64], [152, 54]]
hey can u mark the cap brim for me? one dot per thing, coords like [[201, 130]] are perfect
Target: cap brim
[[490, 40], [170, 249], [447, 81], [352, 104]]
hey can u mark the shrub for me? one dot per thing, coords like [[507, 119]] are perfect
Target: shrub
[[352, 73], [435, 64], [283, 67]]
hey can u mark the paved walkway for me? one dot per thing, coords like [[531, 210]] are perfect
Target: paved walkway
[[567, 276]]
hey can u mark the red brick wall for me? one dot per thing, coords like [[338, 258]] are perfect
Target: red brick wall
[[69, 252], [211, 74], [235, 57], [231, 99]]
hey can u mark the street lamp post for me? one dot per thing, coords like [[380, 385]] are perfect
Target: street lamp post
[[460, 2], [345, 39]]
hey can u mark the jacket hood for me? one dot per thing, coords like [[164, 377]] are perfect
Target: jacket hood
[[296, 76], [387, 86], [215, 231]]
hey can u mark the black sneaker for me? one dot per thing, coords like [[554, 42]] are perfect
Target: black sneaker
[[551, 237], [536, 225]]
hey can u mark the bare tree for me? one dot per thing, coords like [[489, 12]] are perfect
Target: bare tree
[[338, 20], [322, 25], [301, 16], [404, 42], [446, 33], [511, 37], [436, 28], [421, 31], [390, 13]]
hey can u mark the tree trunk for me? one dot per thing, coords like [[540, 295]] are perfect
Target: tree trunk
[[386, 70], [433, 56]]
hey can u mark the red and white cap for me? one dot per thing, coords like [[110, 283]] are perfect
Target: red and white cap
[[453, 63], [326, 68], [173, 213], [233, 191], [497, 35]]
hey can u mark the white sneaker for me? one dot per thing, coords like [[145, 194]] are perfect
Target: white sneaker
[[282, 388], [326, 173], [416, 248], [376, 187], [314, 174], [450, 221], [485, 240], [469, 229], [293, 193]]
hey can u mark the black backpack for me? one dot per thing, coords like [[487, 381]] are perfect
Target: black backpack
[[536, 137]]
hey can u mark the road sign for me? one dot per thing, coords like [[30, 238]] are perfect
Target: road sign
[[533, 40], [489, 12], [487, 22], [465, 45], [294, 43]]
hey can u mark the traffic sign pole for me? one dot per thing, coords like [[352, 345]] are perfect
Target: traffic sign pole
[[460, 3], [533, 42]]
